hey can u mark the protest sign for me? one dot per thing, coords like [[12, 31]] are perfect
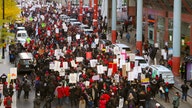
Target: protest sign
[[79, 59], [73, 63], [116, 77], [128, 67], [109, 73], [51, 65], [124, 70], [130, 76], [65, 65], [96, 41], [100, 69], [62, 72], [121, 102], [95, 77], [72, 77], [93, 62], [57, 65], [77, 36], [88, 55], [13, 73], [104, 68], [132, 57]]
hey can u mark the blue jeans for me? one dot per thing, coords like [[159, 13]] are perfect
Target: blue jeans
[[184, 96], [66, 99], [147, 104], [60, 101]]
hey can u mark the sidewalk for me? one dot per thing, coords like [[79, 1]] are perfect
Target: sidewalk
[[5, 66]]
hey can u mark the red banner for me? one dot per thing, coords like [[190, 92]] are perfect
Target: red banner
[[80, 10], [88, 55], [69, 7]]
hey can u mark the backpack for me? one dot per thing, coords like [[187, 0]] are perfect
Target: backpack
[[9, 101], [166, 90]]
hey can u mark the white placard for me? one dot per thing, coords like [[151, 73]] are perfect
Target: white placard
[[93, 62], [130, 76], [116, 77], [65, 65], [77, 36], [128, 67], [56, 30], [137, 69], [95, 77], [109, 73], [165, 56], [96, 41], [136, 63], [116, 50], [104, 68], [122, 62], [62, 72], [73, 63], [57, 65], [162, 51], [51, 65], [121, 101], [57, 52], [142, 76], [79, 59], [100, 69], [132, 57], [115, 61], [73, 78], [13, 73], [69, 39], [106, 48], [87, 83], [156, 45]]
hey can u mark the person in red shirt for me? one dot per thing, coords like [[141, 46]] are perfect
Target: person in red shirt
[[7, 102], [59, 93], [67, 93], [170, 62]]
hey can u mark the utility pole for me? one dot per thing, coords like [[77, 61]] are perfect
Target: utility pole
[[3, 49]]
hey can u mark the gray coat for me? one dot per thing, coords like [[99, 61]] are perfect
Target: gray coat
[[176, 101]]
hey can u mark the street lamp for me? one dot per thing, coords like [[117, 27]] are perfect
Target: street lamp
[[3, 49]]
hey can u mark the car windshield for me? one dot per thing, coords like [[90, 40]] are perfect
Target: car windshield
[[24, 35], [26, 62], [142, 61], [19, 35]]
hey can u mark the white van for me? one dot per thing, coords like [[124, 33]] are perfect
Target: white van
[[167, 74]]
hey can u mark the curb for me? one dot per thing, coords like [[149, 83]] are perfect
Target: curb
[[181, 91]]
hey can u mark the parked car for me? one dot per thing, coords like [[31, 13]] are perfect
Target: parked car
[[24, 62], [141, 61], [121, 47]]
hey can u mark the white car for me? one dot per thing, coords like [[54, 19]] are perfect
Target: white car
[[21, 36], [121, 47], [141, 61]]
